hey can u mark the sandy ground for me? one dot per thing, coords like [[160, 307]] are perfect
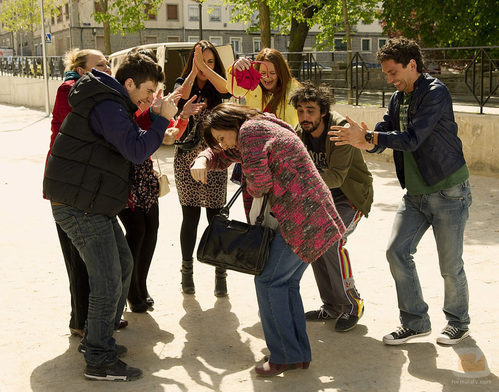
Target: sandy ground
[[200, 343]]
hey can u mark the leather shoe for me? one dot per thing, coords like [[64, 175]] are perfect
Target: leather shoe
[[140, 307], [149, 302], [269, 369], [123, 324], [303, 365], [77, 332]]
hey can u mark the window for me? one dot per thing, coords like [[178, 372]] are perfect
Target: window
[[193, 13], [193, 38], [366, 44], [173, 38], [339, 44], [216, 40], [381, 42], [59, 16], [257, 45], [237, 44], [172, 11], [66, 10], [216, 14], [149, 12], [150, 39], [97, 6]]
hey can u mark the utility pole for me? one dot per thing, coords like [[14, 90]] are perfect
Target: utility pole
[[44, 54]]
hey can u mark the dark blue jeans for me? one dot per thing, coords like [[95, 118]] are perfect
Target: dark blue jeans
[[104, 249], [280, 304], [446, 212]]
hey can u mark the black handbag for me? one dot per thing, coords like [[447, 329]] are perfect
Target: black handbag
[[236, 245]]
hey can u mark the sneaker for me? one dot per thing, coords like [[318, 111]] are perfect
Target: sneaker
[[451, 335], [347, 321], [118, 371], [318, 315], [402, 335], [120, 350]]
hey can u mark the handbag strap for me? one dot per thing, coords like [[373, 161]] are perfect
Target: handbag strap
[[232, 73], [259, 220], [157, 162]]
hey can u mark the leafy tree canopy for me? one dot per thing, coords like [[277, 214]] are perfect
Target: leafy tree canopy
[[437, 23], [24, 15], [327, 14]]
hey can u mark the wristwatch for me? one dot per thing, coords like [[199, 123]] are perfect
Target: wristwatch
[[369, 137]]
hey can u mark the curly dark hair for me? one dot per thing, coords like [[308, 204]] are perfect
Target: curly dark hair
[[308, 92], [401, 50]]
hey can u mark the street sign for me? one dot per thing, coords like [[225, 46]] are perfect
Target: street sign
[[48, 38]]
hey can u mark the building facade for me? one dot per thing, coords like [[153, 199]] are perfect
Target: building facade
[[176, 21]]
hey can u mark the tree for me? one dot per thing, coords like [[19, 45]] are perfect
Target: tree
[[25, 16], [443, 23], [296, 17], [124, 16]]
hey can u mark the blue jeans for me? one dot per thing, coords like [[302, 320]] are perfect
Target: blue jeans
[[281, 307], [103, 247], [446, 212]]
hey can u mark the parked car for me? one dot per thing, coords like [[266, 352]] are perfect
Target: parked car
[[172, 56], [312, 65]]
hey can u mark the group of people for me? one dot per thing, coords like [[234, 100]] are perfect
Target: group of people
[[289, 145]]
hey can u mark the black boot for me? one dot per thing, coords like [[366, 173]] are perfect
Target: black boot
[[220, 282], [187, 281]]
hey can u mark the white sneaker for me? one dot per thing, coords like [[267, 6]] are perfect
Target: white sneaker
[[451, 335]]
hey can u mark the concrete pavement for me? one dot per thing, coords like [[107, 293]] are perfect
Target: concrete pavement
[[200, 343]]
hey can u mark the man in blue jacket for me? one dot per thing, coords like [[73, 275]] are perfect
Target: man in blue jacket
[[419, 126], [87, 182]]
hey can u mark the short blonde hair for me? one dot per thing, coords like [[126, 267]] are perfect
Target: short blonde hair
[[78, 58]]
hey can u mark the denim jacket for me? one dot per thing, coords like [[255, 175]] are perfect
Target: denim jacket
[[431, 134]]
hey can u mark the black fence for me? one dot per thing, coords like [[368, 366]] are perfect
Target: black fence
[[31, 66], [470, 73]]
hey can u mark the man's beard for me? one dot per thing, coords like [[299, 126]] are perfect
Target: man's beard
[[313, 128]]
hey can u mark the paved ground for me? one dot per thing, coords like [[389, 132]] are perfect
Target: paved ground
[[198, 343]]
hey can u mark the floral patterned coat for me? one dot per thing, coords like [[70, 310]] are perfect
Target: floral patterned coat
[[275, 161]]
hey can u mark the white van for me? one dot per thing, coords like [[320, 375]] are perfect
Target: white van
[[172, 56]]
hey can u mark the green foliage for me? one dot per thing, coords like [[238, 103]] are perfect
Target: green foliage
[[436, 23], [126, 16], [24, 15], [327, 14]]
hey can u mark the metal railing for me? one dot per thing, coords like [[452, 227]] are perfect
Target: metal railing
[[470, 73], [31, 66]]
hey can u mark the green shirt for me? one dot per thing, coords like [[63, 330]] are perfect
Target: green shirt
[[413, 179]]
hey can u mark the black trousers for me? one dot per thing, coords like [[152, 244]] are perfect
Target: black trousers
[[78, 281], [141, 234], [189, 229]]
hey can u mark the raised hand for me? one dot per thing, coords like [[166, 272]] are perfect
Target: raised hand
[[191, 108], [168, 106], [170, 135], [242, 64], [156, 103], [354, 134]]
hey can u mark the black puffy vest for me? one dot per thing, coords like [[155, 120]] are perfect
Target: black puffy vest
[[83, 170]]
